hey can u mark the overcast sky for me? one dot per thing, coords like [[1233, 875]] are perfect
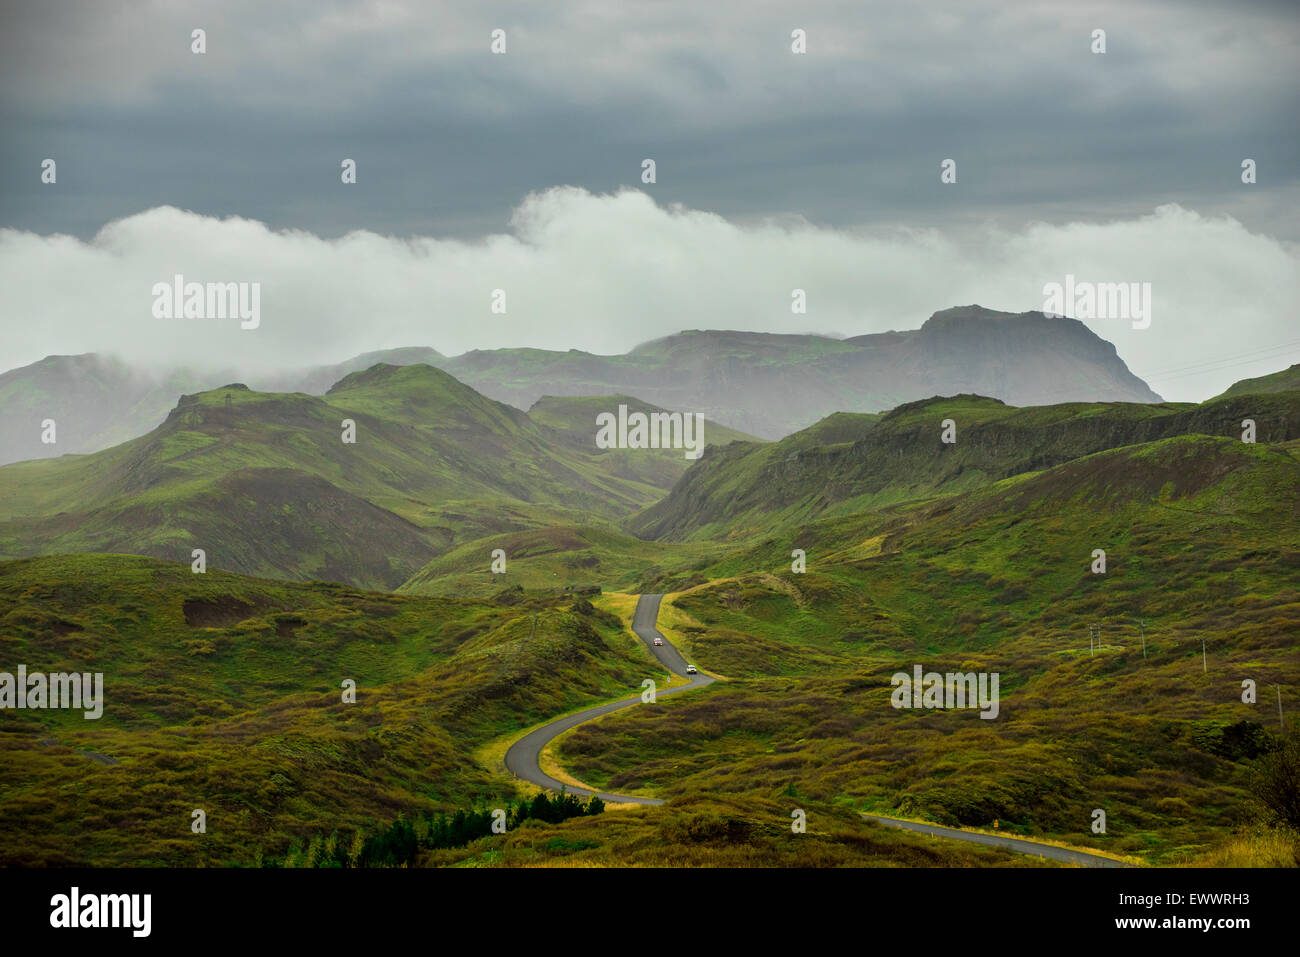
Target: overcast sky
[[522, 171]]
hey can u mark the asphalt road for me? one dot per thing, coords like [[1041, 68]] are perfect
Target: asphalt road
[[522, 759], [1062, 854]]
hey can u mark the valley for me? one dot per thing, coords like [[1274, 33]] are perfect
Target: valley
[[802, 573]]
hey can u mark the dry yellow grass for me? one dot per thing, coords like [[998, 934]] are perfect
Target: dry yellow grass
[[856, 553], [551, 765], [1258, 847], [783, 586], [672, 621], [492, 755], [618, 603]]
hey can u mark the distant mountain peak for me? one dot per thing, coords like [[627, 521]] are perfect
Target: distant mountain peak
[[977, 313], [383, 372], [963, 398], [766, 384]]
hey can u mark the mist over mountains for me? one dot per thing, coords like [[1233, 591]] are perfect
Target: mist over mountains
[[764, 384], [378, 557], [387, 478]]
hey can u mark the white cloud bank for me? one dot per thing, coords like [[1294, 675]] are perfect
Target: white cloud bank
[[604, 272]]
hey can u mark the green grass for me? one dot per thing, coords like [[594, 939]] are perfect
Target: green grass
[[223, 693], [551, 560], [747, 491], [999, 580], [264, 483], [1287, 380]]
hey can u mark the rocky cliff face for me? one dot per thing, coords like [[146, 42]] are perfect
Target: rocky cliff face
[[1022, 359]]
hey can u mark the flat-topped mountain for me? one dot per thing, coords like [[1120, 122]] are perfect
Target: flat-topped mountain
[[770, 385], [764, 384]]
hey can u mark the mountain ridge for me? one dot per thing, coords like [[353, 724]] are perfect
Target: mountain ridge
[[901, 456], [768, 385], [365, 485]]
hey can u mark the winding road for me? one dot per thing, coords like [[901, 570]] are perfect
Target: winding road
[[523, 757], [1018, 844]]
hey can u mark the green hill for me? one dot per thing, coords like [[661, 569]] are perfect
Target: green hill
[[96, 401], [552, 560], [576, 416], [223, 693], [264, 483], [1120, 690], [842, 466], [1199, 533], [1288, 380], [574, 420]]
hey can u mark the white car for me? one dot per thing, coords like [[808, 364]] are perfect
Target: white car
[[690, 670]]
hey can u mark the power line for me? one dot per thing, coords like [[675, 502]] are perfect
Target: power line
[[1224, 365], [1235, 355], [1222, 359]]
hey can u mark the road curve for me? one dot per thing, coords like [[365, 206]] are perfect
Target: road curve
[[1063, 854], [522, 759]]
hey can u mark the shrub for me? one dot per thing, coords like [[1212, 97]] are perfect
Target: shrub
[[1276, 781]]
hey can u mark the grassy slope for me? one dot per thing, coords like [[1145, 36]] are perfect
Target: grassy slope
[[747, 490], [1200, 535], [552, 560], [574, 555], [95, 401], [1287, 380], [267, 486], [223, 693], [1201, 542], [577, 416], [572, 421]]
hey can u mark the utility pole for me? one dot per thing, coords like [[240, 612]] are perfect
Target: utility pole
[[1205, 667], [1144, 637]]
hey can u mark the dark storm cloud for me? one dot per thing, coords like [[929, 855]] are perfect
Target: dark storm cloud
[[775, 171], [449, 138]]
